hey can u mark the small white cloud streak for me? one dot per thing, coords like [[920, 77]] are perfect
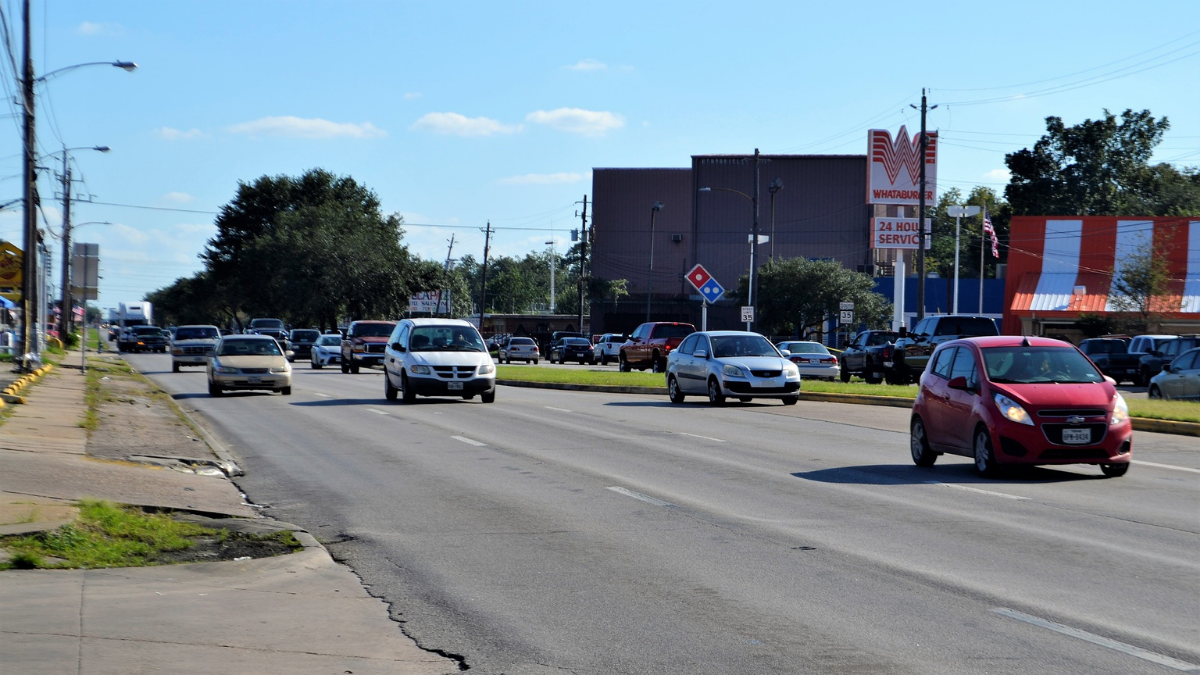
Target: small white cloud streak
[[454, 124], [93, 28], [586, 65], [578, 121], [177, 197], [999, 175], [288, 126], [169, 134], [411, 95], [541, 179]]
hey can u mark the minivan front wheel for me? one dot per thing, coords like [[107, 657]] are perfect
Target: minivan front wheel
[[389, 392]]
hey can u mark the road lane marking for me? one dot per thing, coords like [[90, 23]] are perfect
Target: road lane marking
[[317, 393], [638, 495], [377, 412], [1165, 466], [469, 441], [1140, 653], [971, 489], [707, 438], [550, 407]]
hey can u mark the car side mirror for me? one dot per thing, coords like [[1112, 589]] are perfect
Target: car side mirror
[[397, 346], [959, 383], [785, 352], [700, 354], [1166, 368], [289, 353], [903, 331]]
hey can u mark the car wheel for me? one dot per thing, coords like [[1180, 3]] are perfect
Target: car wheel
[[1115, 470], [389, 392], [488, 396], [604, 359], [623, 364], [214, 390], [345, 366], [508, 361], [535, 362], [354, 367], [922, 454], [316, 365], [893, 377], [1155, 392], [715, 396], [791, 400], [985, 459], [845, 374], [1144, 378], [406, 392], [174, 367], [657, 365], [286, 391], [673, 390]]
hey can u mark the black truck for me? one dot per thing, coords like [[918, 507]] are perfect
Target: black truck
[[1111, 355], [913, 349], [866, 355]]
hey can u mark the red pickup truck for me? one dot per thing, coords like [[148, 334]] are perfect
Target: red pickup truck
[[650, 344]]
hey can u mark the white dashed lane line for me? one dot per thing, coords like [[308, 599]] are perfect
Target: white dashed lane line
[[1138, 652], [1166, 466], [469, 441], [637, 495], [317, 393], [707, 438], [547, 407], [975, 490], [377, 412]]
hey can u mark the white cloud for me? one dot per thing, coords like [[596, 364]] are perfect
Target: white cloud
[[298, 127], [454, 124], [578, 121], [587, 65], [998, 175], [169, 134], [93, 28], [410, 95], [541, 179], [177, 197]]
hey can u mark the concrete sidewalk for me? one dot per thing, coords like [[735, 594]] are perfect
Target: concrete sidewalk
[[299, 613]]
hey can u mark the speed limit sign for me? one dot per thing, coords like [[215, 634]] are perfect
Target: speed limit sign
[[747, 314], [847, 316]]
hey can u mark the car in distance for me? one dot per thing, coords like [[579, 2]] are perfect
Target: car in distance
[[146, 339], [247, 362], [1151, 364], [520, 349], [1112, 357], [608, 347], [193, 345], [437, 357], [912, 350], [720, 364], [271, 327], [1179, 379], [364, 344], [1142, 345], [572, 349], [327, 350], [1019, 400], [301, 340], [812, 358], [651, 344], [867, 354]]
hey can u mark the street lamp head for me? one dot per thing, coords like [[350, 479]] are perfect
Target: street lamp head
[[127, 66], [658, 206], [101, 148], [776, 185]]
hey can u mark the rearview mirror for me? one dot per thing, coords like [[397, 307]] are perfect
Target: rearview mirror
[[700, 354], [1166, 367], [785, 352], [959, 383], [397, 346]]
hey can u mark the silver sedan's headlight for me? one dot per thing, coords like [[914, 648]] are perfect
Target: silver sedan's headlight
[[731, 370], [280, 369]]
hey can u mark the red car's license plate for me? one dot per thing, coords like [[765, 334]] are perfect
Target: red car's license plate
[[1077, 436]]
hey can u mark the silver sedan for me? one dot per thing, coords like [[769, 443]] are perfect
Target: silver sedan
[[720, 364], [1178, 379], [812, 358]]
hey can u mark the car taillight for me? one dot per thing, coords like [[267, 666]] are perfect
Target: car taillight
[[828, 359], [887, 352]]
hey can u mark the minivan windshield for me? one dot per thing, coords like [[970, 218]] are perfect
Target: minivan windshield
[[446, 338], [305, 335], [1039, 365]]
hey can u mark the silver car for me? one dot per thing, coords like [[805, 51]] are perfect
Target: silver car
[[1179, 379], [812, 358], [519, 349], [720, 364]]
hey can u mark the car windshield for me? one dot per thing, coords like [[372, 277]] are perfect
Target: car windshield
[[329, 340], [1106, 347], [520, 341], [197, 333], [266, 323], [804, 348], [576, 342], [741, 345], [147, 330], [966, 327], [446, 338], [1039, 365], [249, 348], [674, 331], [877, 339], [373, 329], [305, 335]]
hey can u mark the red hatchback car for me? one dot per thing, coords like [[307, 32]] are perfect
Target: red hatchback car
[[1018, 400]]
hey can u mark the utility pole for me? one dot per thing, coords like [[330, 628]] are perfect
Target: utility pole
[[583, 247], [487, 240], [553, 264], [445, 291], [654, 209], [29, 314], [66, 305], [921, 213], [751, 292]]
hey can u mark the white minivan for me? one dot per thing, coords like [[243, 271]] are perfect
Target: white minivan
[[437, 357]]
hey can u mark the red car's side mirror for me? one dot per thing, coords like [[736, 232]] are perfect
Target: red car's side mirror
[[959, 383]]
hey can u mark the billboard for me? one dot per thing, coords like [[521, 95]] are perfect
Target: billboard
[[894, 169], [12, 272], [426, 302], [898, 233], [85, 271]]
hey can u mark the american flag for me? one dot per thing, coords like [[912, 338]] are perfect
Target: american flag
[[988, 229]]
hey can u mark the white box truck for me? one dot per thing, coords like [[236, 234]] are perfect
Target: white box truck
[[130, 314]]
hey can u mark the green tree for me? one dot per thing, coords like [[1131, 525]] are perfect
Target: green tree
[[1100, 168], [1140, 286], [940, 257], [798, 295]]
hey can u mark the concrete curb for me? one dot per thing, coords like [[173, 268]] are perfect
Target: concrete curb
[[11, 393], [1139, 423]]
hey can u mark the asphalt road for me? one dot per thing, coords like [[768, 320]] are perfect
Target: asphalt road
[[590, 533]]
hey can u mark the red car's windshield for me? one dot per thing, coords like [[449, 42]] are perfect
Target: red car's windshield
[[1039, 365]]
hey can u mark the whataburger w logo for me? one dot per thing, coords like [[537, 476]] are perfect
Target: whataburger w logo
[[895, 167]]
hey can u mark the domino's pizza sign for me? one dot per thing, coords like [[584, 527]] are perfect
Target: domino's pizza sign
[[705, 283]]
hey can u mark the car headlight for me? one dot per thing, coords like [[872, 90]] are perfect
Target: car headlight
[[1012, 410], [791, 372], [177, 351], [487, 369], [358, 348], [733, 371], [419, 370], [280, 369], [1120, 410]]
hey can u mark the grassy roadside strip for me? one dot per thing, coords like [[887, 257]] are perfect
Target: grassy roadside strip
[[1176, 411], [113, 367]]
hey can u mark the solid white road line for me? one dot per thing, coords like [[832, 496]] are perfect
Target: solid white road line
[[1140, 653], [1166, 466], [377, 412], [638, 495], [707, 438], [977, 490], [469, 441], [549, 407]]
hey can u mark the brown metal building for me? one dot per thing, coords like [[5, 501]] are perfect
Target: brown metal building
[[820, 212]]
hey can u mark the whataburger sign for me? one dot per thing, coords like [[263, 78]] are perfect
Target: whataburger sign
[[894, 169]]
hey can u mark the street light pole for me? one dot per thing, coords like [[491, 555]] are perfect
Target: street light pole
[[958, 212], [775, 186], [29, 272], [752, 294], [66, 303], [654, 209]]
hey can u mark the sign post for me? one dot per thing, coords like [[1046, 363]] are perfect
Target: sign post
[[85, 284], [709, 289]]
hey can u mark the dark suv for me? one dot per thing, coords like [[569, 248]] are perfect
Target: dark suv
[[649, 345], [364, 344], [914, 347], [272, 327]]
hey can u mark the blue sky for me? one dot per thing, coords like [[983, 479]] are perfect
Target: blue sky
[[457, 113]]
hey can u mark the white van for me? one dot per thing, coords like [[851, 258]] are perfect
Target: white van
[[437, 357]]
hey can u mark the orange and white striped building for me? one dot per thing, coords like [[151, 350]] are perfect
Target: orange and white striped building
[[1060, 267]]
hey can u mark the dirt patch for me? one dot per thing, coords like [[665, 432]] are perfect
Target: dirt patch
[[133, 417], [232, 546]]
